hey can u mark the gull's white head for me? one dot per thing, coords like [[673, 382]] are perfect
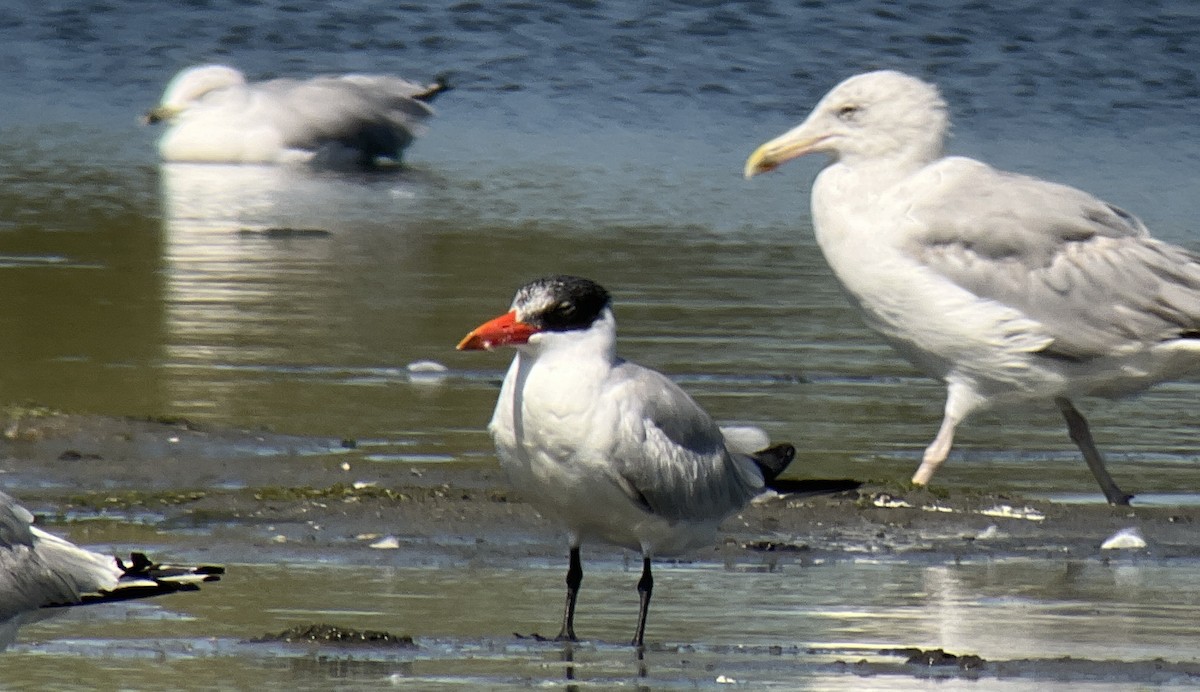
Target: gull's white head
[[191, 85], [875, 115]]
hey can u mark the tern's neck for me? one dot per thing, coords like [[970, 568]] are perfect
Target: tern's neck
[[597, 343]]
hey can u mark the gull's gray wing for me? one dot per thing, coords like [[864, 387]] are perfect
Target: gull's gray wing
[[669, 456], [1088, 272], [373, 113]]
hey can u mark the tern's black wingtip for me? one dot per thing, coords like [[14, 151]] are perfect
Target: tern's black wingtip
[[773, 460]]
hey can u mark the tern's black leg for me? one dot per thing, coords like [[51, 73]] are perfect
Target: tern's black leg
[[645, 588], [1082, 437], [574, 579]]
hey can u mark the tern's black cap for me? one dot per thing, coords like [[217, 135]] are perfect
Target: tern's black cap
[[560, 303]]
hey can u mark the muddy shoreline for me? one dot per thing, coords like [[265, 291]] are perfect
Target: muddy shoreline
[[291, 495]]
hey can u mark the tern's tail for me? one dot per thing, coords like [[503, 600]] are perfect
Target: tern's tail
[[142, 578], [773, 460]]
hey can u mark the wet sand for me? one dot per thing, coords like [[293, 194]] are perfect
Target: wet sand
[[247, 497], [319, 493]]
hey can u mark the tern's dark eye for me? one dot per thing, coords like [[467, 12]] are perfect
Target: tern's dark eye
[[558, 310], [848, 113], [562, 316]]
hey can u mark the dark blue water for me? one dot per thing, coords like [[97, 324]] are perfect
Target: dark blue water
[[1109, 65], [1106, 63], [1102, 95]]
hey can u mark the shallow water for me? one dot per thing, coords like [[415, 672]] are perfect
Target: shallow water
[[781, 628], [600, 139]]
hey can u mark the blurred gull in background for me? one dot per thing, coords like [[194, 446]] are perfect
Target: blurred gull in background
[[216, 116]]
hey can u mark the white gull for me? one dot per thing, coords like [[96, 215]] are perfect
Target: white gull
[[1008, 288], [216, 116]]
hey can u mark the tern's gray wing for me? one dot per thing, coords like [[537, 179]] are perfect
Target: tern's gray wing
[[670, 457], [372, 113], [1086, 271]]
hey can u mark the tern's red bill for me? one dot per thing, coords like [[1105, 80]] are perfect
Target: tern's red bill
[[505, 330]]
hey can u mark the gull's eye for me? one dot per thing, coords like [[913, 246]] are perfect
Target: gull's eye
[[848, 113]]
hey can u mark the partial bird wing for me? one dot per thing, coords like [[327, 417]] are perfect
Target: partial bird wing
[[1086, 271], [367, 112], [670, 457], [15, 524], [142, 578], [39, 569]]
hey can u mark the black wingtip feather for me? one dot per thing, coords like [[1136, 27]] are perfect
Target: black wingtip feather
[[142, 567], [144, 578], [773, 460]]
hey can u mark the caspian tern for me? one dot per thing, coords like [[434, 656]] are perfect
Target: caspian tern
[[1008, 288], [41, 570], [216, 116], [613, 451]]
